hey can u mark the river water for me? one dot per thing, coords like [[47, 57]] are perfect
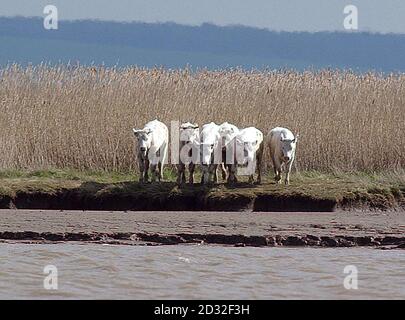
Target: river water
[[95, 271]]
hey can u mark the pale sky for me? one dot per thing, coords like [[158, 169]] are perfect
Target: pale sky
[[289, 15]]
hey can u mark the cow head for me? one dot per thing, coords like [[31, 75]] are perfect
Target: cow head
[[227, 133], [245, 150], [144, 138], [189, 133], [208, 148], [288, 147], [189, 142]]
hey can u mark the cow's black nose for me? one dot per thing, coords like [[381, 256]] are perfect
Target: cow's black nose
[[143, 149]]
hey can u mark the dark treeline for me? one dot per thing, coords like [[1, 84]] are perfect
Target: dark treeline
[[207, 45]]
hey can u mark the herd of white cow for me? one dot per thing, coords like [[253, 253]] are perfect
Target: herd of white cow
[[214, 147]]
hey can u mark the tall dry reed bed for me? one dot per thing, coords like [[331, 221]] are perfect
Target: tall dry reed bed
[[81, 117]]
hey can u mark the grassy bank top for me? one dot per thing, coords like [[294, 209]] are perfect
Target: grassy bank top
[[377, 190]]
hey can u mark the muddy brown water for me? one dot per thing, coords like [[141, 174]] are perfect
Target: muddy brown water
[[88, 270], [94, 271]]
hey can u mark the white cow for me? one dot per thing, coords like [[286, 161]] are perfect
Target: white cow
[[210, 152], [248, 152], [188, 150], [153, 141], [228, 133], [282, 145]]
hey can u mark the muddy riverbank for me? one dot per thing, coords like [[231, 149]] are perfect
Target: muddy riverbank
[[195, 199], [337, 229], [310, 194], [309, 191]]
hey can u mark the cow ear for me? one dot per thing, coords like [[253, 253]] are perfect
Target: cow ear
[[296, 138], [136, 132]]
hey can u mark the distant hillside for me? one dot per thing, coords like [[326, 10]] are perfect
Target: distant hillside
[[24, 40]]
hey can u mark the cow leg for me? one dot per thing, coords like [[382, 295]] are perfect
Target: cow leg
[[159, 172], [163, 157], [202, 175], [215, 173], [141, 170], [287, 174], [205, 174], [146, 177], [153, 170], [232, 167], [183, 175], [278, 177], [180, 173], [280, 171], [223, 171], [232, 174], [277, 171], [259, 164], [223, 165], [191, 168], [251, 168], [259, 175], [212, 173]]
